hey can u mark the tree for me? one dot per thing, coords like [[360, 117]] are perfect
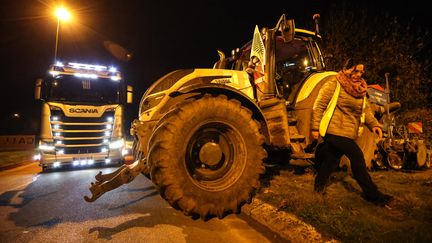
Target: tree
[[384, 43]]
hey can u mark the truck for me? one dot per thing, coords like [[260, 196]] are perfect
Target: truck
[[82, 115], [203, 135]]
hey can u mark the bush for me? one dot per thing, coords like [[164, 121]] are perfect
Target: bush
[[385, 44]]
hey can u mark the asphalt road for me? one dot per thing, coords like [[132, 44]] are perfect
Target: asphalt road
[[49, 207]]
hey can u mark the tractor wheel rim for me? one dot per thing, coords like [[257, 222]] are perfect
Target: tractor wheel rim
[[211, 157]]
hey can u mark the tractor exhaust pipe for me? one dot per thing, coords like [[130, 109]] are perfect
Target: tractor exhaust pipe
[[316, 18]]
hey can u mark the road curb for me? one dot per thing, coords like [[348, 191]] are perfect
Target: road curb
[[285, 225]]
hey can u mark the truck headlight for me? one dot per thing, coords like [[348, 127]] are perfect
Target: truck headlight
[[36, 157], [116, 144], [46, 147]]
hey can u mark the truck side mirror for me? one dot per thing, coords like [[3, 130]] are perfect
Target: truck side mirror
[[129, 94], [38, 88]]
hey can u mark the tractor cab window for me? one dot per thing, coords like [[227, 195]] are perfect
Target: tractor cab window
[[293, 65]]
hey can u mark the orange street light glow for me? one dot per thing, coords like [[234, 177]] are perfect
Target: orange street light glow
[[62, 14]]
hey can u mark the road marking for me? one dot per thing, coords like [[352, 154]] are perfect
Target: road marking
[[20, 186], [17, 199]]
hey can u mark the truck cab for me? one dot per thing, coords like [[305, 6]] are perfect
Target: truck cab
[[82, 115]]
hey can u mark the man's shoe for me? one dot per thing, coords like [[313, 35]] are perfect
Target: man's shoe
[[381, 200]]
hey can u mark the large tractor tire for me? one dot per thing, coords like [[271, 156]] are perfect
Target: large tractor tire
[[206, 156], [139, 155]]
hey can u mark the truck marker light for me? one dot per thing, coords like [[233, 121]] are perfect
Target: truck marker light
[[86, 75], [58, 142], [113, 69], [56, 164], [104, 150], [75, 163], [107, 161], [87, 66], [109, 126], [54, 118], [59, 64], [83, 162], [115, 78], [56, 126], [107, 133], [54, 73], [110, 119], [57, 134], [105, 140], [90, 162], [46, 147], [36, 157], [61, 151]]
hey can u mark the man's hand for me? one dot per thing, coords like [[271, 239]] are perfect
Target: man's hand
[[315, 135], [378, 131]]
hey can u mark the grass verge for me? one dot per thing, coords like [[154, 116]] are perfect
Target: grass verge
[[344, 215]]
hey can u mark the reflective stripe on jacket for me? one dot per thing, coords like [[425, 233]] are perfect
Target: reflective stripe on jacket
[[346, 118]]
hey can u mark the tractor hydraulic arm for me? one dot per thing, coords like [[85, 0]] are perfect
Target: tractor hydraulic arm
[[108, 182]]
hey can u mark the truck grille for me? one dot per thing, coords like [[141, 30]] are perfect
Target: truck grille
[[81, 135]]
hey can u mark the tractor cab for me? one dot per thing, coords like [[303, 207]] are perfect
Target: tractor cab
[[294, 61]]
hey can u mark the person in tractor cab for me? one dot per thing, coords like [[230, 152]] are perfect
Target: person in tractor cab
[[339, 113]]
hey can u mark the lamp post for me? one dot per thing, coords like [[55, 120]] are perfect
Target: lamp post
[[62, 14]]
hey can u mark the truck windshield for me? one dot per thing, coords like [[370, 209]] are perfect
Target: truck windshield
[[67, 88]]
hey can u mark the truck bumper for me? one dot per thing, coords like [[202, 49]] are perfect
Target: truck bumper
[[80, 160]]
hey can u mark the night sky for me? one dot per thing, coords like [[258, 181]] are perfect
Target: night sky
[[162, 36]]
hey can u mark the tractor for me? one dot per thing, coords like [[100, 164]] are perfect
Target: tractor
[[202, 135]]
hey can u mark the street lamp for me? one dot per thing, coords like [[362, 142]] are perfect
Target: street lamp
[[63, 15]]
